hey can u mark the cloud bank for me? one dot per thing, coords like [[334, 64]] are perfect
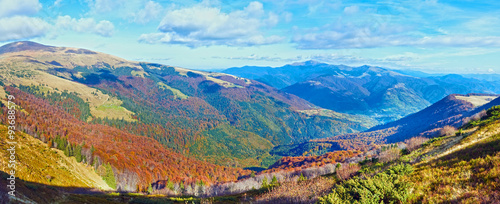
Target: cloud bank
[[202, 25]]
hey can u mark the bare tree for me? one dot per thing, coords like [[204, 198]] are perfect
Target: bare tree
[[448, 131], [347, 170], [414, 143], [389, 155]]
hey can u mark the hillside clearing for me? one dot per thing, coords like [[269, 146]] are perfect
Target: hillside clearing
[[477, 100]]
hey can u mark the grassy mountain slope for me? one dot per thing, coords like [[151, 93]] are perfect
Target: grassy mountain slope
[[459, 168], [467, 171], [39, 163]]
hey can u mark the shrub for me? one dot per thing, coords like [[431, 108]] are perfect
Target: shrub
[[302, 178], [264, 182], [150, 189], [385, 187], [274, 181]]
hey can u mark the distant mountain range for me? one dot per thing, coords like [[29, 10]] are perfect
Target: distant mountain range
[[380, 93]]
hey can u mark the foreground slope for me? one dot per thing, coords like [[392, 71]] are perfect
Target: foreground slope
[[38, 164], [460, 168]]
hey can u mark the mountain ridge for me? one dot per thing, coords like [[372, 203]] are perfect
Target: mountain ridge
[[383, 94]]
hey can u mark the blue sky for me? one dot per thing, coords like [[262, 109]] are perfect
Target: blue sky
[[460, 36]]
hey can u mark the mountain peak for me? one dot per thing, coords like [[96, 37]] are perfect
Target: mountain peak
[[306, 63], [24, 45]]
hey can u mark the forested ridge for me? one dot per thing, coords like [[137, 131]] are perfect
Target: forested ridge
[[135, 161]]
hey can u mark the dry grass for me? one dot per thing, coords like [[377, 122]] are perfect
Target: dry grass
[[177, 93], [68, 60], [466, 169], [299, 192], [210, 77], [40, 164], [477, 100], [3, 99], [97, 100], [389, 155]]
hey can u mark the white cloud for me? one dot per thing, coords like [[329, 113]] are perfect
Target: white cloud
[[351, 10], [272, 20], [152, 10], [203, 25], [85, 25], [104, 28], [103, 6], [22, 27], [287, 16], [19, 7], [486, 24], [338, 36], [254, 57], [403, 60], [457, 41], [57, 3], [346, 36]]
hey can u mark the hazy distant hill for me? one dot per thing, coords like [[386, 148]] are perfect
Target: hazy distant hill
[[380, 93], [452, 110]]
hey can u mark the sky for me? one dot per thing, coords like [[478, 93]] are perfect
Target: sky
[[435, 36]]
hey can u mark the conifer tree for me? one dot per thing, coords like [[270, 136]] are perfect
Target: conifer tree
[[274, 181], [264, 182]]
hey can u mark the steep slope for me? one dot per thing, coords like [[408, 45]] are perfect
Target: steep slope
[[453, 110], [463, 167], [450, 111], [380, 93], [127, 162], [473, 163], [37, 162]]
